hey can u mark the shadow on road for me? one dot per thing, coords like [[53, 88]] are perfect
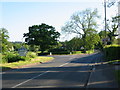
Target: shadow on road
[[93, 58], [75, 74]]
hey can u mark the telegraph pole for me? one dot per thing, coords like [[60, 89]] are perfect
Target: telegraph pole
[[105, 18]]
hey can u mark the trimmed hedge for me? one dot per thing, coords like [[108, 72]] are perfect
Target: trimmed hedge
[[112, 52]]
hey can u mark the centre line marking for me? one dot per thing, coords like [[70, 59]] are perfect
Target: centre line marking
[[63, 64], [35, 77], [30, 79]]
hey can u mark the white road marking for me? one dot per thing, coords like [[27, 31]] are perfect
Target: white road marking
[[35, 77], [30, 79], [63, 64]]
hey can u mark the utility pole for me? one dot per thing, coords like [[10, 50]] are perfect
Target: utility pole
[[118, 22], [105, 18]]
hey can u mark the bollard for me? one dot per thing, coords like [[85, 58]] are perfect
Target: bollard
[[50, 53]]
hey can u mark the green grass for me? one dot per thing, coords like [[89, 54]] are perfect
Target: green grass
[[76, 52], [81, 52], [90, 51], [27, 62], [113, 61]]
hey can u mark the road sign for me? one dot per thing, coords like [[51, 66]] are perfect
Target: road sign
[[22, 51]]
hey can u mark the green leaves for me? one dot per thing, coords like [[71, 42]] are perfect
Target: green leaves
[[84, 24], [42, 35]]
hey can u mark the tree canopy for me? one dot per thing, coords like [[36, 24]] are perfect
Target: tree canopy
[[43, 35], [84, 24], [4, 39]]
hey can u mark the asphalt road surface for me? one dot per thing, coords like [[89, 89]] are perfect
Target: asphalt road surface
[[64, 71]]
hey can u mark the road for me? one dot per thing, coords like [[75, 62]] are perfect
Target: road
[[64, 71]]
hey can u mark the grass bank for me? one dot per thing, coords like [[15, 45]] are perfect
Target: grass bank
[[81, 52], [19, 64]]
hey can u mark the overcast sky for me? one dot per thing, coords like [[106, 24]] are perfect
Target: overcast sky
[[18, 16]]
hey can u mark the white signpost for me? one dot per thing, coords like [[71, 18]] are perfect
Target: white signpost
[[22, 51]]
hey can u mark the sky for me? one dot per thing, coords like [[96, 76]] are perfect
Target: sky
[[17, 15]]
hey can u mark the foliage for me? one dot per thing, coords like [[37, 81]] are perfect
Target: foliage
[[34, 48], [9, 57], [111, 33], [82, 23], [16, 45], [73, 45], [91, 41], [42, 35], [112, 52], [31, 55], [4, 39], [112, 28]]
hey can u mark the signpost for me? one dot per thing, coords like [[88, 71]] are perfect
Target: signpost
[[22, 51]]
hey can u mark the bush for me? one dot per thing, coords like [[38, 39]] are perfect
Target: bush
[[11, 57], [31, 55], [112, 52]]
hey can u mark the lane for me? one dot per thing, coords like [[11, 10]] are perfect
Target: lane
[[63, 71], [17, 76]]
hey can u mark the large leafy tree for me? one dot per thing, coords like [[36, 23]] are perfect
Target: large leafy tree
[[82, 23], [74, 44], [4, 39], [42, 35]]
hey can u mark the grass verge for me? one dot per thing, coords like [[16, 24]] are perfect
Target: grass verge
[[19, 64], [113, 61]]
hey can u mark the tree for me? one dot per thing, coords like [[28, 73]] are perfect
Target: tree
[[4, 38], [91, 41], [42, 35], [75, 44], [82, 23], [112, 27]]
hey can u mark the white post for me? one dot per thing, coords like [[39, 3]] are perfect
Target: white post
[[50, 53]]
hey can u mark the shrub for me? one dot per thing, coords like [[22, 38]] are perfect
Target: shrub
[[11, 57], [31, 55]]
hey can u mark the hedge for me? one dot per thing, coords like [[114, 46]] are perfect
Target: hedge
[[112, 52]]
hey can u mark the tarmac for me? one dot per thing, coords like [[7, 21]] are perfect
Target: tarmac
[[103, 76]]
